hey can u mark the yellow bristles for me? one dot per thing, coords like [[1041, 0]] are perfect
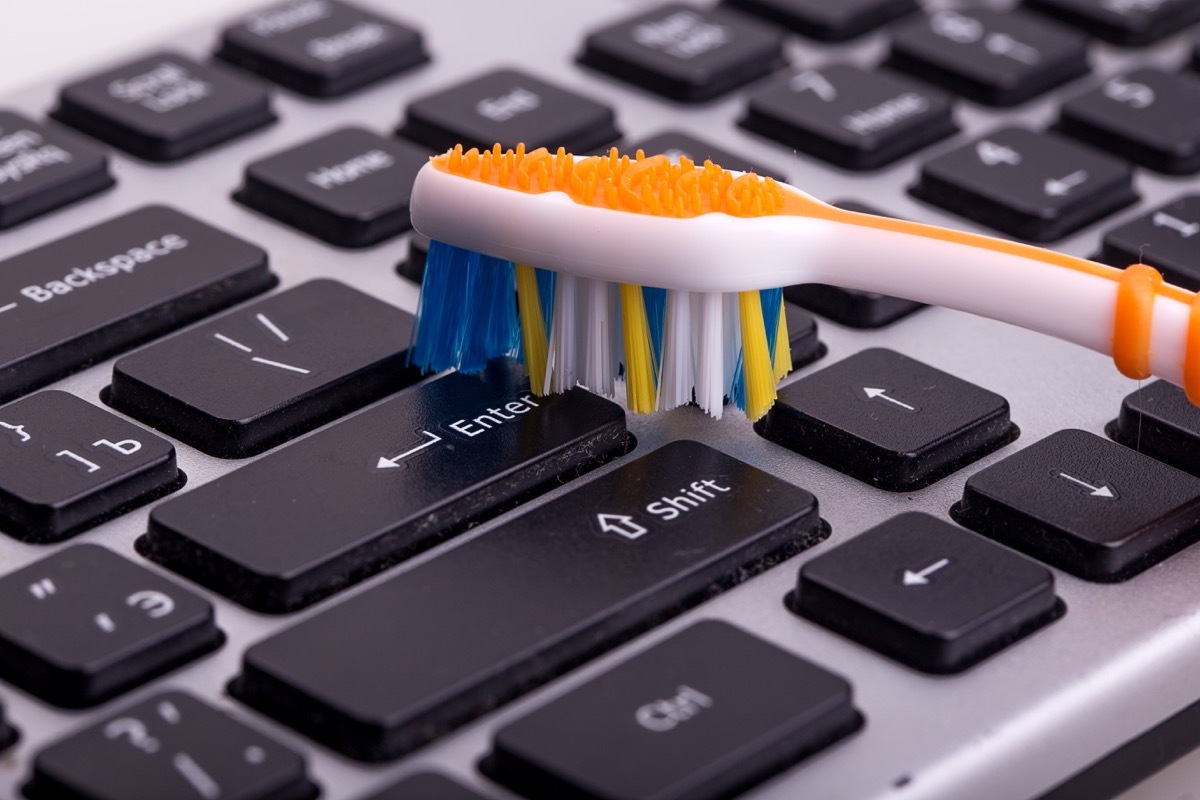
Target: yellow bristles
[[759, 372], [641, 387], [533, 328], [783, 350]]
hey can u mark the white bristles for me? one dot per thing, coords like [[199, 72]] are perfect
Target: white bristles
[[677, 372], [733, 338], [565, 334], [599, 368], [710, 352]]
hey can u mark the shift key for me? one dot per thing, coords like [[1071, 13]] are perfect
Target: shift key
[[450, 639], [322, 513], [98, 292]]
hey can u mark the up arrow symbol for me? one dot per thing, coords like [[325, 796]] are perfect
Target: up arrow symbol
[[882, 395], [621, 525]]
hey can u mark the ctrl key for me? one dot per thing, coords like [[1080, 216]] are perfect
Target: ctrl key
[[704, 714]]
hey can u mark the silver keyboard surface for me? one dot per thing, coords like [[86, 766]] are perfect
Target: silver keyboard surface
[[1119, 662]]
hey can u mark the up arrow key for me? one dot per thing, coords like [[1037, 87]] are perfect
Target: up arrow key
[[621, 525]]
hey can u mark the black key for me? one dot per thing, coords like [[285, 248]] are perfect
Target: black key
[[703, 715], [849, 116], [317, 516], [1161, 422], [43, 168], [8, 734], [1084, 504], [509, 107], [434, 647], [1124, 22], [90, 295], [256, 377], [321, 48], [928, 594], [164, 107], [169, 746], [350, 187], [425, 786], [993, 57], [66, 465], [84, 625], [888, 420], [1035, 186], [1163, 238], [674, 144], [1148, 116], [830, 22], [851, 307], [685, 53], [413, 265], [804, 345]]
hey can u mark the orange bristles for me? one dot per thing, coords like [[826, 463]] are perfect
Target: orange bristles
[[644, 185]]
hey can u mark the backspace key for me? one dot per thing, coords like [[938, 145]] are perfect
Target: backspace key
[[93, 294]]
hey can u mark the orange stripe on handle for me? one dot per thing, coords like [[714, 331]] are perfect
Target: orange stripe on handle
[[1131, 329], [1191, 355]]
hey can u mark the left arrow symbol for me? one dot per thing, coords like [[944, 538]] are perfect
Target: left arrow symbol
[[394, 461], [621, 525]]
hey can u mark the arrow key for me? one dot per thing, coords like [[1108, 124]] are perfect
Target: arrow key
[[1167, 238], [926, 593], [1087, 505], [888, 420], [1030, 185]]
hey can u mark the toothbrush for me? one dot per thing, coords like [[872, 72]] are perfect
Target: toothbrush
[[684, 261]]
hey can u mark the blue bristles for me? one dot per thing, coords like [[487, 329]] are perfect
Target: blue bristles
[[656, 315], [545, 280], [467, 312], [772, 304]]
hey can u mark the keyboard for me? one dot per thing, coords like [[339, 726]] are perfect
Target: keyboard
[[248, 553]]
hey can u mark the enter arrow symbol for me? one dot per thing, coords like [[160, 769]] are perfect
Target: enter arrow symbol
[[394, 461], [1059, 187], [921, 578], [620, 524], [1094, 491], [882, 395]]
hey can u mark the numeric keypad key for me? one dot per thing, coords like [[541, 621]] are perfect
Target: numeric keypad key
[[849, 116], [1036, 186], [66, 465], [685, 53], [1148, 116], [993, 57], [169, 746], [85, 624], [1123, 22], [1167, 238]]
